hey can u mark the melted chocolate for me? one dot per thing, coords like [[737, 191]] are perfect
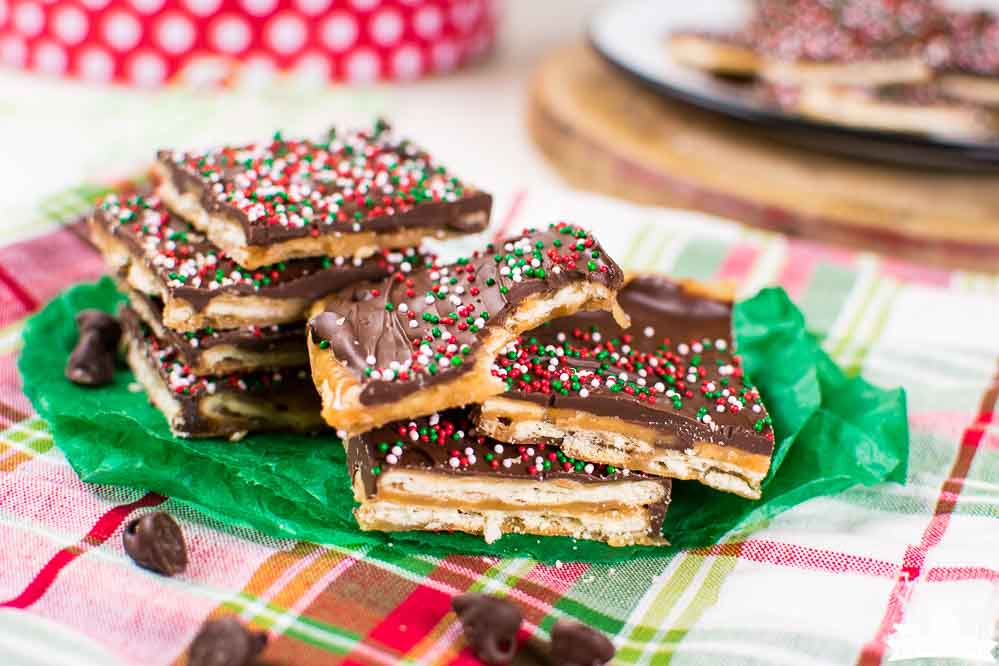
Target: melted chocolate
[[352, 182], [586, 362], [401, 335], [448, 443], [194, 269]]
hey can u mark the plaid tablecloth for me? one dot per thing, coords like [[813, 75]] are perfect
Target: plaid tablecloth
[[873, 574], [889, 572]]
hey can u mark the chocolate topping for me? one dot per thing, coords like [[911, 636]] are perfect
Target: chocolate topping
[[194, 269], [92, 360], [449, 443], [489, 624], [351, 182], [406, 333], [225, 642], [283, 387], [673, 370], [155, 542], [577, 644]]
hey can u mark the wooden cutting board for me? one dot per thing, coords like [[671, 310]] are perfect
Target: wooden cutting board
[[608, 134]]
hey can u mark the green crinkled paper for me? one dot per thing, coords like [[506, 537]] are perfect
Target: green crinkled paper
[[832, 432]]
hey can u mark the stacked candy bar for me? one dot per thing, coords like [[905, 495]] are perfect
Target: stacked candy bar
[[506, 392], [221, 263]]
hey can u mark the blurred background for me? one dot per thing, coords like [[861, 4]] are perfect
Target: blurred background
[[516, 94]]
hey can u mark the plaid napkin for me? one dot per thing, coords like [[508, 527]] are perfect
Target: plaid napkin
[[880, 573]]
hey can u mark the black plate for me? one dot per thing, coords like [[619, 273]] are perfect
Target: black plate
[[631, 36]]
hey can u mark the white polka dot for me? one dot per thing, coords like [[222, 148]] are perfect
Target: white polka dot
[[286, 33], [231, 34], [259, 7], [147, 69], [70, 24], [203, 7], [95, 5], [428, 21], [29, 19], [464, 14], [258, 70], [204, 71], [122, 31], [313, 7], [407, 62], [13, 51], [50, 57], [365, 5], [313, 68], [386, 27], [4, 11], [95, 64], [363, 66], [147, 6], [339, 31], [445, 56], [175, 33]]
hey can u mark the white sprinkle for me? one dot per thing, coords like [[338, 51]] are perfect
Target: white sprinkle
[[391, 459], [583, 392], [454, 462], [649, 331], [721, 344]]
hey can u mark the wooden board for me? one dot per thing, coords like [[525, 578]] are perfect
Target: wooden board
[[608, 134]]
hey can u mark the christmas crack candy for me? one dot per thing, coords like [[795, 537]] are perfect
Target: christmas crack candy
[[439, 473], [667, 397], [348, 195], [158, 253], [415, 344]]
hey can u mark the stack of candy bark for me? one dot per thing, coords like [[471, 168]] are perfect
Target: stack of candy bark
[[222, 260], [530, 387]]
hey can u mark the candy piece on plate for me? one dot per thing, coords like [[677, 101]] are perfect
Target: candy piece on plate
[[439, 473], [348, 195], [667, 397], [413, 345]]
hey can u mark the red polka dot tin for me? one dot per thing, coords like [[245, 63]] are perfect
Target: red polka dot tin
[[152, 42]]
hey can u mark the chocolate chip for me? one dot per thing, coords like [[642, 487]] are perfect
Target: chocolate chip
[[490, 626], [225, 642], [155, 542], [92, 360], [576, 644]]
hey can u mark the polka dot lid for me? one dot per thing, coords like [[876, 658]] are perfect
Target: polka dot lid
[[150, 42]]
